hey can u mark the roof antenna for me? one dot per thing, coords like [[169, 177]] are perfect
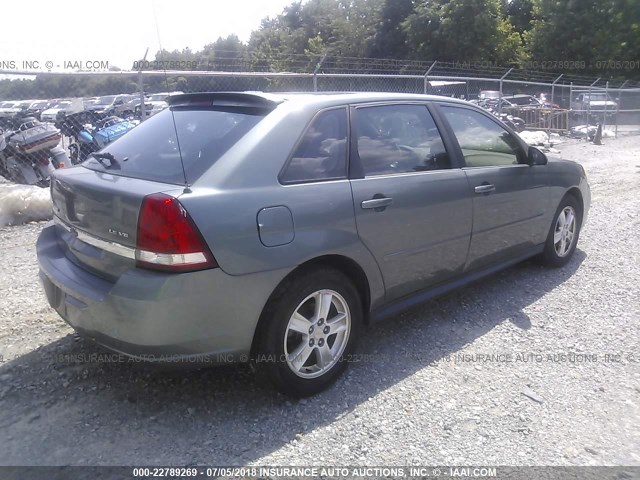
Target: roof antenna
[[187, 188]]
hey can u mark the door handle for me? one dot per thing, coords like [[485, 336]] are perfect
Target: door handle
[[377, 203], [487, 188]]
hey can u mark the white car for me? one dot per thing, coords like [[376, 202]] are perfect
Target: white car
[[9, 109], [37, 107], [156, 102], [595, 104], [64, 106]]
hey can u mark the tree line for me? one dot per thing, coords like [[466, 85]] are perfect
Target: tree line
[[588, 37], [514, 33]]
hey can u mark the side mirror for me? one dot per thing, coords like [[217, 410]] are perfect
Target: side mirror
[[536, 157]]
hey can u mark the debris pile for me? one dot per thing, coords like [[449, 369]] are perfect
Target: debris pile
[[23, 203]]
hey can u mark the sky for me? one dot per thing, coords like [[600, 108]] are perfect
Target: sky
[[119, 31]]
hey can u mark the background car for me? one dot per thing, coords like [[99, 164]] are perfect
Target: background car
[[594, 104], [546, 102], [110, 105], [521, 100], [489, 94], [155, 103], [276, 227], [12, 112], [24, 105], [36, 107], [88, 101], [11, 108], [60, 108], [129, 106]]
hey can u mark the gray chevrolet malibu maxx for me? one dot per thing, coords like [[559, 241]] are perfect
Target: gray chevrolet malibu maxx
[[273, 228]]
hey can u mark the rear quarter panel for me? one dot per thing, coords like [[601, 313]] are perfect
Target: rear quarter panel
[[226, 200]]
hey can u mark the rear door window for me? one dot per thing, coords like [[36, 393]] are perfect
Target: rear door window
[[152, 150], [321, 154], [399, 139]]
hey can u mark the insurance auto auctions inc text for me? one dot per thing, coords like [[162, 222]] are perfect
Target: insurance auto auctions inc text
[[376, 472]]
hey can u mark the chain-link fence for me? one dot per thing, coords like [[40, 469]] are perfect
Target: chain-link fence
[[542, 101], [552, 106]]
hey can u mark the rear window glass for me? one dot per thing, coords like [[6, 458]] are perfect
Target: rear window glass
[[322, 152], [151, 151]]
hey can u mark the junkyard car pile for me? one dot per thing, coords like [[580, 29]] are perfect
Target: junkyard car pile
[[520, 111]]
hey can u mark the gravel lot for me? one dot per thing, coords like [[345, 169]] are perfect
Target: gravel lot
[[423, 394]]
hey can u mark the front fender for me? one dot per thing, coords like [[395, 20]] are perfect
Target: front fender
[[565, 176]]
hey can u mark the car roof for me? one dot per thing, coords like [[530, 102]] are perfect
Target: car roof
[[313, 100], [518, 95]]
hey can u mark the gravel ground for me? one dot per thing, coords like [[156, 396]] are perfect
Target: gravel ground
[[422, 394]]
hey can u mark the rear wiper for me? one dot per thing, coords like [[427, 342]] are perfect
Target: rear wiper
[[100, 157]]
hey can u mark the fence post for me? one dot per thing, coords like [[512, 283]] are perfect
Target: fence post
[[553, 87], [141, 92], [589, 107], [500, 96], [315, 72], [571, 96], [141, 86], [426, 77], [553, 94], [618, 102], [606, 99]]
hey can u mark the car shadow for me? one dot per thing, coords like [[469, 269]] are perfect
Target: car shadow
[[103, 412]]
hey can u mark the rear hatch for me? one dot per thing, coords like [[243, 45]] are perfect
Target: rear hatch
[[96, 215], [97, 206]]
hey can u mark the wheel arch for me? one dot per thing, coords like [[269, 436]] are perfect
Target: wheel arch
[[577, 194], [349, 267]]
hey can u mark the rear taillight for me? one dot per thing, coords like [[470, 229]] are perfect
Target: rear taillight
[[168, 239]]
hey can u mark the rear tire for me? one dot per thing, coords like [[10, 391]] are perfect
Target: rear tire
[[307, 331], [563, 235]]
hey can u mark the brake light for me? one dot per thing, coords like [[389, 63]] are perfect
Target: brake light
[[168, 239]]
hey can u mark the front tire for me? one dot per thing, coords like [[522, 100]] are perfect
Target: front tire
[[308, 330], [564, 233]]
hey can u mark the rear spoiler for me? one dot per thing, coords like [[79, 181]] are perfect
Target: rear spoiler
[[226, 99]]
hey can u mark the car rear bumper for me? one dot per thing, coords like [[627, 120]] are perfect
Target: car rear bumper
[[159, 317]]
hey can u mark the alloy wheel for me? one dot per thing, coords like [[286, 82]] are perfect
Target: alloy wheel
[[317, 334], [565, 231]]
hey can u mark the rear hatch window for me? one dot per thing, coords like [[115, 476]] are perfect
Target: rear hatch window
[[201, 135]]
